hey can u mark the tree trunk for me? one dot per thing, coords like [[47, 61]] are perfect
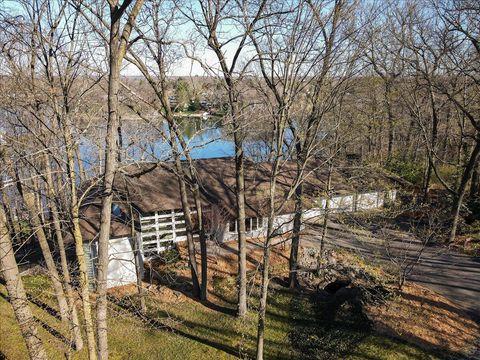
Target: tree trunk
[[137, 258], [263, 299], [203, 242], [107, 196], [67, 282], [475, 183], [192, 260], [81, 168], [240, 212], [266, 259], [391, 121], [11, 224], [190, 242], [17, 294], [74, 208], [160, 87], [84, 282], [38, 204], [432, 147], [297, 223], [118, 43], [29, 200], [193, 180], [327, 211], [106, 211], [467, 175], [120, 141], [277, 141], [175, 134]]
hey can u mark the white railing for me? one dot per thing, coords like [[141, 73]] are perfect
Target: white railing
[[166, 229], [169, 227]]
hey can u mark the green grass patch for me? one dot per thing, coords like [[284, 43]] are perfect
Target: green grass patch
[[298, 327]]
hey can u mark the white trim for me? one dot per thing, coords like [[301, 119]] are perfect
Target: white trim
[[167, 232]]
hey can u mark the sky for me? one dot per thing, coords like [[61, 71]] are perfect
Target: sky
[[180, 67]]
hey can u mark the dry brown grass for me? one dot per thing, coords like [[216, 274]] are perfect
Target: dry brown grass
[[224, 262], [416, 314], [425, 318]]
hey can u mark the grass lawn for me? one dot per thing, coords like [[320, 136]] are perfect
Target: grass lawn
[[185, 329]]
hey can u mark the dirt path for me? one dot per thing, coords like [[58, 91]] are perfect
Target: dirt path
[[453, 275]]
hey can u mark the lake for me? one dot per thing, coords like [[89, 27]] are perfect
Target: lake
[[206, 138]]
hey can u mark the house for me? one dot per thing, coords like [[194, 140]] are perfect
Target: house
[[147, 214]]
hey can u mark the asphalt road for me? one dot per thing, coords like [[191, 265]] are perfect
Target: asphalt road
[[453, 275]]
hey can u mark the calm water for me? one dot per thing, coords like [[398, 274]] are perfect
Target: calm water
[[206, 138]]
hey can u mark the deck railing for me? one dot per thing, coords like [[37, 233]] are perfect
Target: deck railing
[[162, 229]]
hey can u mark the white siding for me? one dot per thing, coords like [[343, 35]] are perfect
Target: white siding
[[342, 203], [162, 229], [283, 223], [313, 213], [121, 263], [367, 201]]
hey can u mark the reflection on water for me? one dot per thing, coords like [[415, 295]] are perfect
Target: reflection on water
[[206, 138]]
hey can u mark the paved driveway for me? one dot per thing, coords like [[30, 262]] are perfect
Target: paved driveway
[[453, 275]]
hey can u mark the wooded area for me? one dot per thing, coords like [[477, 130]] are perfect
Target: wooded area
[[91, 90]]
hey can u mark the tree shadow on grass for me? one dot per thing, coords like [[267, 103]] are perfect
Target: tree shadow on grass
[[44, 306], [47, 308], [42, 323], [158, 325], [338, 327], [55, 333], [223, 309], [182, 284]]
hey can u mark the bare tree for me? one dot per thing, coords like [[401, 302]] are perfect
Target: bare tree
[[16, 292], [213, 15], [38, 35], [404, 250], [462, 20], [334, 66], [155, 33], [384, 52], [119, 37]]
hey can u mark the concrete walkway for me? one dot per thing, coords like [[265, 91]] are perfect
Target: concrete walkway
[[455, 276]]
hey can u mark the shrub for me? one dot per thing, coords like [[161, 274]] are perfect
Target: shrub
[[169, 256], [409, 170], [447, 173]]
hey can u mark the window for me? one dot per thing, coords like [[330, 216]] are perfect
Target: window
[[248, 224], [254, 224], [232, 225], [116, 211]]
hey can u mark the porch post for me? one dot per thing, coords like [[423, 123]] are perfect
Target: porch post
[[157, 232], [174, 230]]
